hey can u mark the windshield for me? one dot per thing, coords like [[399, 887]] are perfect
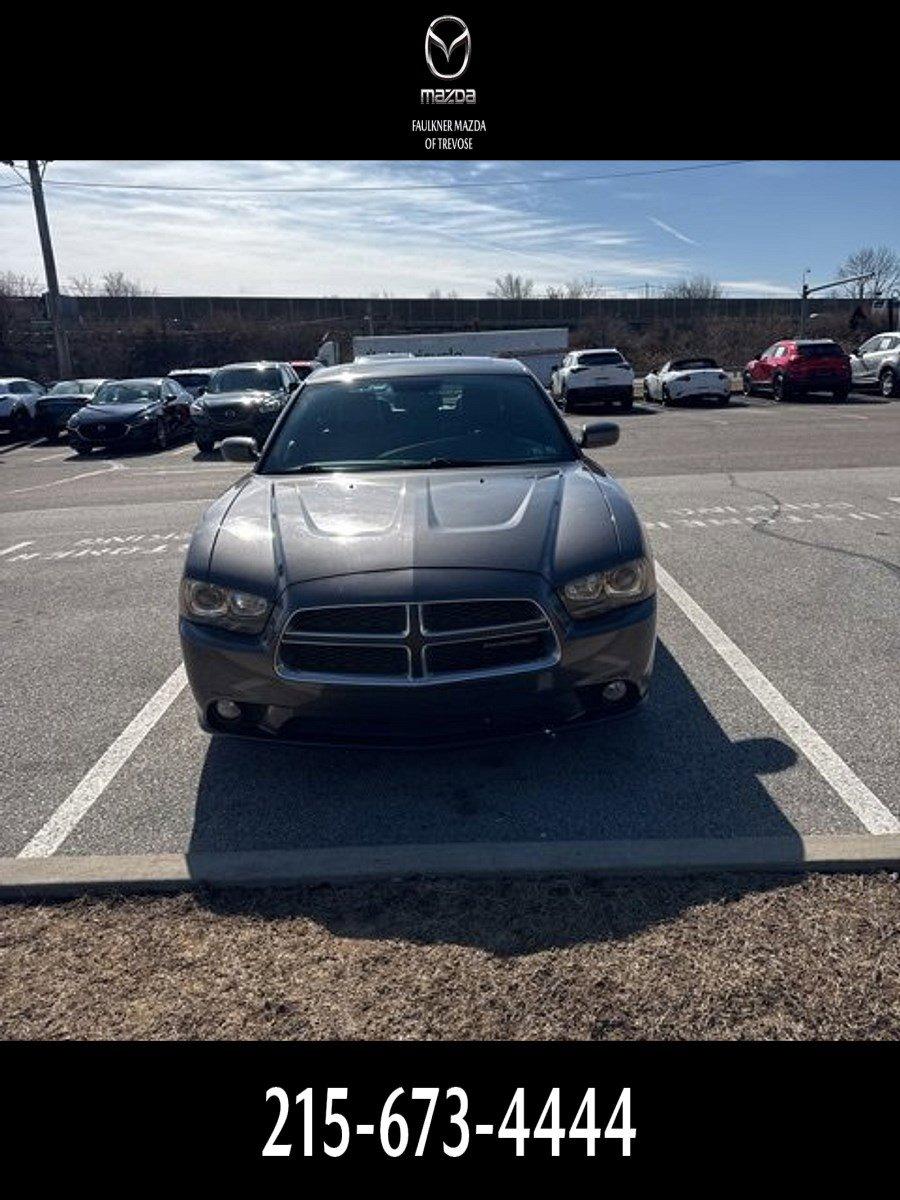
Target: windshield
[[695, 364], [129, 391], [246, 379], [75, 387], [600, 358], [417, 421], [189, 379]]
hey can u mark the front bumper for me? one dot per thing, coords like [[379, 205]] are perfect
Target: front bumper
[[566, 693], [245, 424], [139, 434]]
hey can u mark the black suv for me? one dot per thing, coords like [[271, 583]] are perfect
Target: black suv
[[242, 398]]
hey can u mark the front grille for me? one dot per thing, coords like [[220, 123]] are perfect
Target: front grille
[[417, 643], [322, 658], [102, 433], [477, 614], [352, 618], [494, 654]]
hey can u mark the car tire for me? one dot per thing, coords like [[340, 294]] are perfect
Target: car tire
[[890, 384], [82, 449], [665, 397], [205, 446], [20, 423], [723, 401], [160, 436], [627, 403], [747, 384], [781, 389], [51, 435], [840, 395]]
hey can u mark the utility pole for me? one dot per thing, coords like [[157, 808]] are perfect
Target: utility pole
[[63, 363]]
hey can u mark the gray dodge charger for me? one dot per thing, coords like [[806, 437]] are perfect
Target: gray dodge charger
[[422, 554]]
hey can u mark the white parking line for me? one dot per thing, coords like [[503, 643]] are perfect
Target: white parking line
[[53, 457], [17, 546], [863, 803], [114, 466], [54, 832]]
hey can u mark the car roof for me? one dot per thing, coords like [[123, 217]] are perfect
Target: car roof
[[192, 370], [443, 364], [15, 379], [597, 350], [139, 379]]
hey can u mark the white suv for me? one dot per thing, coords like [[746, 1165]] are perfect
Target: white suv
[[592, 377], [877, 361]]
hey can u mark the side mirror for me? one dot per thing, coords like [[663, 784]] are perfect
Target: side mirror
[[201, 390], [597, 433], [240, 450]]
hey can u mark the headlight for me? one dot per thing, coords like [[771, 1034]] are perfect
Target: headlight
[[271, 405], [211, 604], [602, 590]]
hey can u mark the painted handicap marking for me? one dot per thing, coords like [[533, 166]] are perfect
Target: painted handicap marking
[[806, 512], [112, 546]]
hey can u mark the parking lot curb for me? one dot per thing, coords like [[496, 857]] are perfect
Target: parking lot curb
[[72, 875]]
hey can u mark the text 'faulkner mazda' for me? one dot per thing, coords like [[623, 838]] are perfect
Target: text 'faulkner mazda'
[[421, 552]]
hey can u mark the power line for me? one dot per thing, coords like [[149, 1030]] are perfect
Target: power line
[[404, 187]]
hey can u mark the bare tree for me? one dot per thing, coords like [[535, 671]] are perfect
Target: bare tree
[[881, 262], [575, 289], [13, 284], [437, 294], [511, 287], [695, 287], [81, 285], [117, 283]]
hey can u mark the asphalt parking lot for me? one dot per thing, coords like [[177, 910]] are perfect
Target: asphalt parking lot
[[777, 529]]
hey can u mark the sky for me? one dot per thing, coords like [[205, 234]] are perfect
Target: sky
[[754, 227]]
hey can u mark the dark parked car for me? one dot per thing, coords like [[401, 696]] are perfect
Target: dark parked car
[[53, 410], [194, 379], [242, 398], [793, 367], [421, 554], [132, 413]]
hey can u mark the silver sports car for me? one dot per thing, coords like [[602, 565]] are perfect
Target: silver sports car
[[421, 554]]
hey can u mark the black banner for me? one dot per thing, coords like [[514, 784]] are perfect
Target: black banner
[[627, 1109]]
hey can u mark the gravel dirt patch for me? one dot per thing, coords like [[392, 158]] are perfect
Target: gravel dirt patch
[[721, 957]]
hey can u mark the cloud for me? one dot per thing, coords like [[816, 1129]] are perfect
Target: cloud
[[757, 287], [682, 237], [319, 242]]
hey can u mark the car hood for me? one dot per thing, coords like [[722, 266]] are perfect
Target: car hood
[[92, 413], [558, 521]]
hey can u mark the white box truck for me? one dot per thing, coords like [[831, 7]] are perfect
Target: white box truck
[[539, 349]]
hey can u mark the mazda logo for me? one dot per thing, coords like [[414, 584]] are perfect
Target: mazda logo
[[446, 38], [229, 412], [101, 428]]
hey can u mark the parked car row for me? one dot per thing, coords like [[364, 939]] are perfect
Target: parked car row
[[212, 403], [206, 403]]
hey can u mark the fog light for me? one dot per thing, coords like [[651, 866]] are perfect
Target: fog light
[[228, 710], [615, 691]]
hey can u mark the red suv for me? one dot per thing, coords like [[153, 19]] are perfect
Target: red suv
[[794, 366]]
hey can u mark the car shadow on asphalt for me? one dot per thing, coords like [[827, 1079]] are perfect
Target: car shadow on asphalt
[[668, 771]]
